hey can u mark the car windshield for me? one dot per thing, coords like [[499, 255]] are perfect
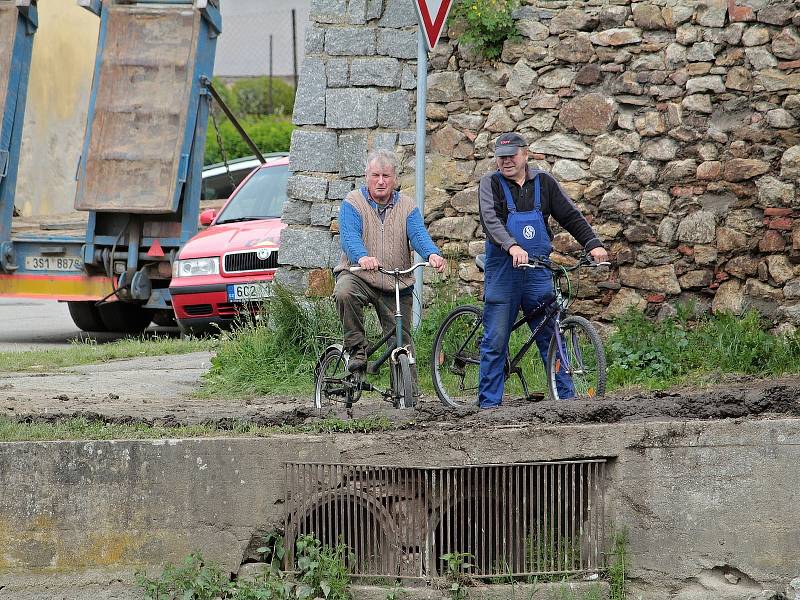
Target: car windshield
[[261, 197]]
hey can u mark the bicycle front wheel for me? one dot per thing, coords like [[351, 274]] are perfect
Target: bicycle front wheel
[[403, 385], [579, 365], [456, 357]]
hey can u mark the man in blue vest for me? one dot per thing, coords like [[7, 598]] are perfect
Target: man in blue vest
[[515, 204]]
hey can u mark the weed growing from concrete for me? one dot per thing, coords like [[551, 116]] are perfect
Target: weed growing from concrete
[[456, 566], [321, 572], [618, 565], [396, 592], [194, 579]]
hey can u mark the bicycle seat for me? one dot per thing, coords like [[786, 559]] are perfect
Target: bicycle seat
[[480, 261]]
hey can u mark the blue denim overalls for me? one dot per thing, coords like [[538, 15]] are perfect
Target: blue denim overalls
[[506, 289]]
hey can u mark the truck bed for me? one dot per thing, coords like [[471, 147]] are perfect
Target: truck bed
[[134, 161], [67, 225], [8, 28]]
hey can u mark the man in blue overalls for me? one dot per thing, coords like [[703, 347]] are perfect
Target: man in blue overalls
[[515, 204]]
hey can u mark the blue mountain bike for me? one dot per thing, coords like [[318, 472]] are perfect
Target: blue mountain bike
[[575, 348]]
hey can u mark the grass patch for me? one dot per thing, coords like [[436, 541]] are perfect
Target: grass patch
[[277, 353], [80, 428], [659, 354], [89, 352]]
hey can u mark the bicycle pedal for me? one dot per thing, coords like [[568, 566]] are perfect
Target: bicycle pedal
[[535, 397]]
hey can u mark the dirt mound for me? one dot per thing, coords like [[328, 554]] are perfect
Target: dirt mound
[[160, 391], [735, 398]]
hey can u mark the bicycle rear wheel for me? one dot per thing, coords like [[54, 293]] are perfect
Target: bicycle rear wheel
[[456, 357], [332, 381], [582, 358]]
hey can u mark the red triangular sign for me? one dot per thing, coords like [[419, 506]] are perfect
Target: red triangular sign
[[432, 16], [155, 249]]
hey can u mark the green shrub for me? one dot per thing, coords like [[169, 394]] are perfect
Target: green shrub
[[252, 96], [657, 354], [270, 134], [486, 24], [194, 579], [321, 573], [278, 352]]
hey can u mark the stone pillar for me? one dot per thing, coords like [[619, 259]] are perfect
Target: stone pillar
[[354, 95]]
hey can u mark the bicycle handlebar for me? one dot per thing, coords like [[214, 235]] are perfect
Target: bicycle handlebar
[[393, 272], [545, 263]]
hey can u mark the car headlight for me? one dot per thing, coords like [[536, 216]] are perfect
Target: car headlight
[[195, 266]]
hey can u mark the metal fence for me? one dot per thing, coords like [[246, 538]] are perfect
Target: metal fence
[[262, 38], [522, 519]]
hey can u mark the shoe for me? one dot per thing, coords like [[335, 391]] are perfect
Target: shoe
[[358, 361]]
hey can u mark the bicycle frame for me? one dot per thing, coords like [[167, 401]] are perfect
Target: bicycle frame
[[374, 367]]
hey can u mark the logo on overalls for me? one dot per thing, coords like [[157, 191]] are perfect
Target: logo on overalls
[[528, 232]]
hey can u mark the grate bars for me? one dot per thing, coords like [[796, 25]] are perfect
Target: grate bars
[[513, 520]]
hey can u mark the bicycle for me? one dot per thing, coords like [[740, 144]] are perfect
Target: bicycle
[[333, 382], [575, 348]]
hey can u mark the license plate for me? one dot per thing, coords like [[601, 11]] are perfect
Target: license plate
[[52, 263], [247, 292]]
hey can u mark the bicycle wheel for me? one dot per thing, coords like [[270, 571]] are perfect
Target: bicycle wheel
[[582, 359], [456, 356], [331, 382], [403, 386]]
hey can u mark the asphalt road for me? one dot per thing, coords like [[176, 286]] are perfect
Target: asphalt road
[[37, 324]]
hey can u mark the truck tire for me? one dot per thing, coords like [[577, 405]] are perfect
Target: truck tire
[[86, 316], [164, 318], [124, 317]]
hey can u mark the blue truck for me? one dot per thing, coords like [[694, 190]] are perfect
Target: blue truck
[[139, 174]]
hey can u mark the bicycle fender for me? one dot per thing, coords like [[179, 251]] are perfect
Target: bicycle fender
[[402, 350], [331, 348]]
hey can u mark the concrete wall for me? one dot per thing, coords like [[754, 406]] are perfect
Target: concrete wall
[[711, 508], [58, 101]]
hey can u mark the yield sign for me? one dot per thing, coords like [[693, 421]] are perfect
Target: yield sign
[[432, 15]]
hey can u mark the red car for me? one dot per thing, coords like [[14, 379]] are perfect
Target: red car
[[228, 268]]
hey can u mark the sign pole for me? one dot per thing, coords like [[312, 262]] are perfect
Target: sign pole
[[432, 15], [422, 95]]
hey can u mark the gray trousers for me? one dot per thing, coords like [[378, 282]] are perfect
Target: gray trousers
[[352, 294]]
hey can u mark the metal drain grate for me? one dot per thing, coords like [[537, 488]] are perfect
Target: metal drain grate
[[515, 520]]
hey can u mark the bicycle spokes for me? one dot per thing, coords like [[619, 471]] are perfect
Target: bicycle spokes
[[457, 357], [577, 363]]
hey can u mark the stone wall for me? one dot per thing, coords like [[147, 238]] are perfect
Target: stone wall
[[673, 125]]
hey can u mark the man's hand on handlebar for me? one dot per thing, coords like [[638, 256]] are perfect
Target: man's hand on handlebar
[[437, 262], [368, 263], [518, 255], [599, 255]]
